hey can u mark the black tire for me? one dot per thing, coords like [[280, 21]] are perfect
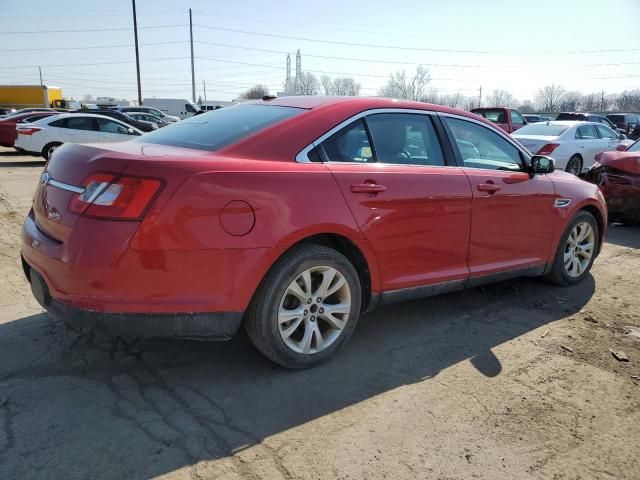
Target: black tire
[[574, 165], [261, 319], [46, 150], [558, 274]]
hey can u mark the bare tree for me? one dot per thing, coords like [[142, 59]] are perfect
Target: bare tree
[[591, 102], [431, 96], [526, 107], [550, 97], [453, 100], [399, 86], [307, 84], [345, 86], [256, 92], [326, 85], [571, 101], [500, 98], [628, 101]]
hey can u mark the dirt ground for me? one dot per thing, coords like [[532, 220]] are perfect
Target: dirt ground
[[510, 381]]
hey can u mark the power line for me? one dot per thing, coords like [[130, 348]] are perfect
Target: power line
[[129, 45], [92, 64], [92, 29]]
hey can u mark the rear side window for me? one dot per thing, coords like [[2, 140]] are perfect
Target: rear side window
[[586, 132], [351, 144], [217, 129], [405, 139]]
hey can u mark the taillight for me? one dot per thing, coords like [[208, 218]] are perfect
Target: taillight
[[28, 131], [547, 149], [118, 198]]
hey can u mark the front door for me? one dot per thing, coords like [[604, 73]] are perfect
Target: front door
[[411, 206], [512, 213]]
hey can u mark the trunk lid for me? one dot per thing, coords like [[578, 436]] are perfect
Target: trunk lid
[[70, 165], [533, 143]]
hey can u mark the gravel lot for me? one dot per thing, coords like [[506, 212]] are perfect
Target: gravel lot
[[510, 381]]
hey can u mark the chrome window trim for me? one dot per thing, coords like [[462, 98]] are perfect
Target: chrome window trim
[[303, 155], [65, 186], [499, 131]]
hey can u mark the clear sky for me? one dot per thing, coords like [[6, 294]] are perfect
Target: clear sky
[[516, 45]]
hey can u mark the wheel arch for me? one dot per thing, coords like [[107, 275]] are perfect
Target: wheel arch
[[600, 220]]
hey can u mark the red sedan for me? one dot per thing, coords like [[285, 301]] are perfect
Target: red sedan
[[8, 125], [294, 215]]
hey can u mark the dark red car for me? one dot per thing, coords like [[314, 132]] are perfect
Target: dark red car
[[294, 215], [8, 124], [618, 176], [507, 119]]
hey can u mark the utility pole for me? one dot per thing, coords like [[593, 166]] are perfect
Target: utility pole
[[602, 102], [204, 87], [40, 70], [480, 97], [193, 75], [135, 34]]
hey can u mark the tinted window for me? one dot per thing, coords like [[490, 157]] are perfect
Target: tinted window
[[189, 108], [516, 118], [406, 139], [619, 118], [586, 132], [606, 132], [79, 123], [481, 147], [570, 116], [351, 144], [219, 128], [109, 126], [492, 115], [62, 123]]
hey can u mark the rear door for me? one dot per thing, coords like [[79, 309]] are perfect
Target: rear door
[[410, 204], [81, 129], [517, 120], [512, 216]]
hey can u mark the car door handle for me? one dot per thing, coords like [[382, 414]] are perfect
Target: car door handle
[[488, 187], [372, 188]]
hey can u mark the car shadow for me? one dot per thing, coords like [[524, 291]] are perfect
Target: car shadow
[[81, 405], [623, 235]]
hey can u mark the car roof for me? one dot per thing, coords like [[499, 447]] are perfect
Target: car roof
[[570, 123], [92, 115]]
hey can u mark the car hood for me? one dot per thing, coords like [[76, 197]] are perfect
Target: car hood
[[625, 161]]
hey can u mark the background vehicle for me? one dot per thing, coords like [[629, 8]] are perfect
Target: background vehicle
[[151, 111], [8, 132], [142, 125], [45, 135], [21, 96], [618, 176], [148, 118], [457, 204], [588, 117], [572, 144], [6, 111], [537, 118], [629, 122], [177, 107], [507, 119]]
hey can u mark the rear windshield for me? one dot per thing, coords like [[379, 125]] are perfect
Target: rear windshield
[[219, 128], [544, 129], [492, 115], [570, 116]]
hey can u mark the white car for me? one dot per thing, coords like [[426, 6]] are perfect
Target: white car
[[44, 136], [573, 145]]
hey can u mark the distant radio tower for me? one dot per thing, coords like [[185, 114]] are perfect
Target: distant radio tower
[[298, 66], [287, 82]]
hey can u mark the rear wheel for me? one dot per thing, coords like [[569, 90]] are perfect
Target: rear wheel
[[576, 250], [574, 165], [306, 308], [49, 148]]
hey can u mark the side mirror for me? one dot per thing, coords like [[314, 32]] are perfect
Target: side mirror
[[622, 136], [621, 148], [131, 131], [541, 164]]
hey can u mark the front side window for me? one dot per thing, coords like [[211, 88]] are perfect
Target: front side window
[[405, 139], [109, 126], [189, 108], [217, 129], [586, 132], [516, 118], [481, 147], [351, 144], [606, 132]]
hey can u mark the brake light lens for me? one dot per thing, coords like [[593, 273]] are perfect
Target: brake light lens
[[547, 149], [108, 196], [28, 130]]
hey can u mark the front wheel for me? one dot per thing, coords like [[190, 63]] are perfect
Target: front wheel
[[576, 250], [306, 307]]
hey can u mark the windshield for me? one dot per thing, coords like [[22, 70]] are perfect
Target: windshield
[[635, 147], [219, 128], [543, 129]]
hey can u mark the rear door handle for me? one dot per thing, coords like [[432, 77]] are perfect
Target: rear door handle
[[488, 187], [368, 188]]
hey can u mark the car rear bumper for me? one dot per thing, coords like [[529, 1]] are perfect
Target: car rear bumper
[[200, 325]]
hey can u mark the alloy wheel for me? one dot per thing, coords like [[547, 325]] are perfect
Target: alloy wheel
[[573, 166], [579, 249], [314, 310]]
